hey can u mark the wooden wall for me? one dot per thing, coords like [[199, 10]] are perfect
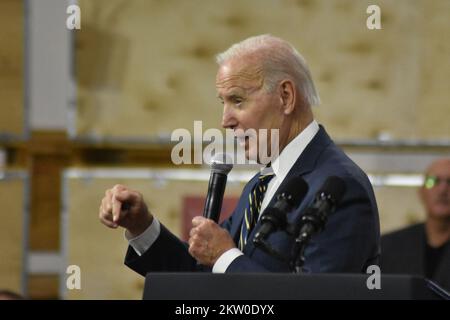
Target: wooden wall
[[12, 235], [12, 117], [11, 67], [398, 207], [147, 67]]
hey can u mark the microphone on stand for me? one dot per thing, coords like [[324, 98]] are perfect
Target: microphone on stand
[[275, 217], [316, 216], [221, 165]]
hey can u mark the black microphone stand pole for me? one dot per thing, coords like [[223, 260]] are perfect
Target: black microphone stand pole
[[311, 223], [299, 253]]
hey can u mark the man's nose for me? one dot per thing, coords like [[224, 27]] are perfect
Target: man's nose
[[228, 118]]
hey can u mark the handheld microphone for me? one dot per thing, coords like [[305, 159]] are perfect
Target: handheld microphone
[[316, 216], [220, 167], [275, 217]]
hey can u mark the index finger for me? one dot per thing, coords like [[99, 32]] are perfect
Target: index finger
[[197, 220]]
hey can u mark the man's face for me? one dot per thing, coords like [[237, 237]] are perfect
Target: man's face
[[435, 194], [246, 104]]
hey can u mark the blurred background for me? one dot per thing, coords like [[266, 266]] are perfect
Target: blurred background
[[82, 110]]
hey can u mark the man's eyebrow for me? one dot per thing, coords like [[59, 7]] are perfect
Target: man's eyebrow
[[232, 94], [230, 97]]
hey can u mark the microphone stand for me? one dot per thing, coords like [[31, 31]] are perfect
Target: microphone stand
[[267, 248], [296, 259], [298, 256], [312, 222], [302, 232]]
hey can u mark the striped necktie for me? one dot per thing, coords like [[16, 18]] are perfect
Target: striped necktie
[[251, 213]]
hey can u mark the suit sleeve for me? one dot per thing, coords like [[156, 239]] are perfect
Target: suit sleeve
[[350, 240], [167, 254]]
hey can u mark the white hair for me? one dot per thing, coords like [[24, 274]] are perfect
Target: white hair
[[280, 60]]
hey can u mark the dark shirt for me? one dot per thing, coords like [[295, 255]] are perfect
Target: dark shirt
[[433, 256]]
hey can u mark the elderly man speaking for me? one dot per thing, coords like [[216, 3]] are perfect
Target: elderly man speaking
[[263, 83]]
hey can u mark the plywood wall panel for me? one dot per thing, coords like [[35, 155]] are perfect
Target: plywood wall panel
[[147, 67], [12, 237], [11, 67], [433, 106], [398, 207]]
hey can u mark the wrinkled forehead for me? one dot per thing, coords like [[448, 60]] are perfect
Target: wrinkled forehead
[[242, 74], [439, 168]]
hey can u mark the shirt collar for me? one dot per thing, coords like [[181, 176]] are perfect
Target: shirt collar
[[284, 162]]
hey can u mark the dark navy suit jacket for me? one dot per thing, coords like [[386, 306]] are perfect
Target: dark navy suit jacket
[[349, 243]]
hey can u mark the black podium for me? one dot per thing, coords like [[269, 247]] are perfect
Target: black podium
[[279, 286]]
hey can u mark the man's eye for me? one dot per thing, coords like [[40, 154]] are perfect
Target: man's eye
[[237, 100]]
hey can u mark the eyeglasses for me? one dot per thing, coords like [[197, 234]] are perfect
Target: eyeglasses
[[432, 181]]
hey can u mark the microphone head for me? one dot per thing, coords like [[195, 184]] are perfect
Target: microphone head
[[295, 189], [221, 163], [334, 188]]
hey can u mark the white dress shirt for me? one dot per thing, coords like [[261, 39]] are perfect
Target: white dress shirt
[[280, 166]]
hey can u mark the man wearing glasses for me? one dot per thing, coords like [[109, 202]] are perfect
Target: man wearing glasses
[[424, 248]]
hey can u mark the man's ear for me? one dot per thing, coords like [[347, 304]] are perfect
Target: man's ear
[[288, 96]]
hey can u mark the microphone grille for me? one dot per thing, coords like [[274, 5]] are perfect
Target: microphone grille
[[296, 188], [221, 163], [335, 187]]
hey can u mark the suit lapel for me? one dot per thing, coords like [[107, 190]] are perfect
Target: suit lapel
[[307, 160], [304, 164]]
